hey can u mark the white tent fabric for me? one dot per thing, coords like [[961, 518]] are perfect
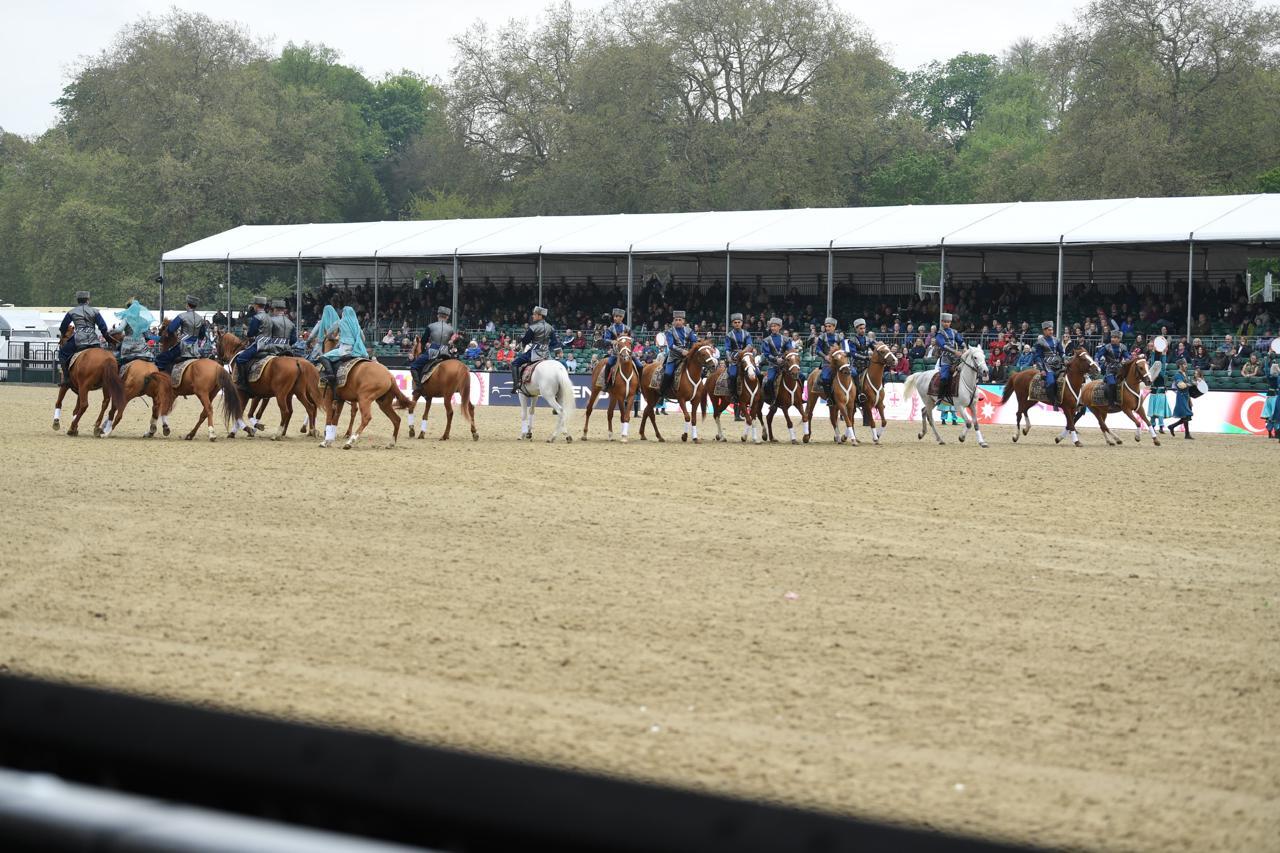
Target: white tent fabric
[[1254, 218]]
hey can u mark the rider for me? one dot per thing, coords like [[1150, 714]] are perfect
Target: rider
[[827, 339], [350, 345], [735, 342], [773, 347], [134, 322], [327, 323], [188, 329], [611, 333], [1112, 357], [254, 334], [949, 343], [1049, 356], [538, 342], [283, 333], [680, 338], [88, 323], [439, 334]]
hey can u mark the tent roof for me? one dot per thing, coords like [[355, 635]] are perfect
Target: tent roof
[[1246, 218]]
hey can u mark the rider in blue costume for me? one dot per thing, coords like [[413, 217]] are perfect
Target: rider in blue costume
[[735, 341], [188, 330], [253, 333], [680, 338], [1049, 357], [536, 345], [949, 343], [773, 347], [611, 333], [1112, 357], [350, 345], [827, 339]]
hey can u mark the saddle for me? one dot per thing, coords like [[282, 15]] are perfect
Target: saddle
[[1037, 393], [1100, 400], [724, 387], [526, 375], [344, 370], [175, 373], [255, 369], [655, 381], [427, 369], [936, 390], [76, 357]]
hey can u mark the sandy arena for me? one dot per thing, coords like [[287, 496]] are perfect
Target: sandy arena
[[1076, 648]]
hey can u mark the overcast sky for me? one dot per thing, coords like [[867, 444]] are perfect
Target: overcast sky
[[47, 37]]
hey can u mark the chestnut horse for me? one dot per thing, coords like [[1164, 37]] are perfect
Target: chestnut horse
[[204, 378], [788, 393], [450, 377], [689, 380], [306, 388], [624, 385], [1133, 375], [846, 397], [750, 397], [143, 377], [367, 383], [1070, 393], [285, 377], [870, 386], [95, 369]]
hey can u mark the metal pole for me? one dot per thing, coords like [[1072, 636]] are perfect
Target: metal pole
[[297, 309], [630, 274], [229, 291], [831, 279], [728, 285], [162, 290], [1057, 323], [942, 284], [1191, 271], [540, 302], [375, 295], [457, 321]]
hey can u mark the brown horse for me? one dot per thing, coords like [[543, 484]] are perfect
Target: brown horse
[[95, 369], [749, 397], [367, 382], [1070, 393], [450, 377], [142, 377], [844, 404], [204, 378], [788, 393], [871, 389], [1133, 375], [624, 385], [306, 388], [689, 380], [282, 379]]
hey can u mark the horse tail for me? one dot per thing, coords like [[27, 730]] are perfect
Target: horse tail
[[564, 392], [401, 401], [1008, 389], [112, 387], [464, 391], [231, 408], [909, 386]]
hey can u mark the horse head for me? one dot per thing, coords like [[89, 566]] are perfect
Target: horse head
[[747, 363], [976, 358], [1140, 369], [839, 361], [622, 347], [791, 364], [1082, 364], [704, 355]]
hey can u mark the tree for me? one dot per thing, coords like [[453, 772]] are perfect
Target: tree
[[949, 95]]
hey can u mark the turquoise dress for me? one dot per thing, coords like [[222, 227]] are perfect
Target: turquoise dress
[[350, 338], [1182, 402], [1158, 401]]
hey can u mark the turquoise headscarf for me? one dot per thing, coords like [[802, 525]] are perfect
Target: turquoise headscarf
[[328, 319], [137, 318], [349, 334]]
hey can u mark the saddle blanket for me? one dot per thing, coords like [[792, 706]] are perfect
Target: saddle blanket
[[175, 374], [344, 370], [429, 369], [259, 365], [655, 381], [1037, 394], [1099, 399], [76, 357], [526, 376], [600, 383], [935, 387], [721, 388]]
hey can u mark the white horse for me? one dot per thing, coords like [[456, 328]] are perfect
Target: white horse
[[550, 380], [973, 370]]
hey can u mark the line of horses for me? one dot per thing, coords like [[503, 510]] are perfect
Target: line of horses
[[694, 388]]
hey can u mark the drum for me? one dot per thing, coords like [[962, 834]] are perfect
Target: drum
[[660, 339], [1160, 343], [1199, 389], [1275, 345]]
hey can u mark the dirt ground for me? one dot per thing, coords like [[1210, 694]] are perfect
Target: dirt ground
[[1073, 647]]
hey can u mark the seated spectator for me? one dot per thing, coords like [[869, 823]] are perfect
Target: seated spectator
[[1251, 368], [473, 350], [917, 349], [1026, 359], [389, 338], [1200, 358], [571, 363]]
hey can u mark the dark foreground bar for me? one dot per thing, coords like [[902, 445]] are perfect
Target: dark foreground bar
[[357, 783]]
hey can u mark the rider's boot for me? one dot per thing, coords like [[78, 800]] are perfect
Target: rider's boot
[[242, 377], [416, 373], [827, 391], [665, 390]]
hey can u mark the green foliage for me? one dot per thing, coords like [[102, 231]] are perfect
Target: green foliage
[[184, 126]]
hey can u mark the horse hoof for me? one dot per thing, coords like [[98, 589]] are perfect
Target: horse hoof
[[275, 438], [684, 437], [551, 440], [1077, 444], [1015, 439], [390, 446], [983, 444], [921, 436], [166, 430], [97, 432], [411, 433], [568, 439], [697, 441], [662, 441], [187, 437], [1057, 440], [623, 439], [56, 426], [475, 436], [73, 432], [793, 441], [213, 438], [962, 439], [1155, 441]]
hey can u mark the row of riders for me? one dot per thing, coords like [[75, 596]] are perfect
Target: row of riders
[[268, 365], [851, 377]]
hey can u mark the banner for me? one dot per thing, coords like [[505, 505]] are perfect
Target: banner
[[1226, 412]]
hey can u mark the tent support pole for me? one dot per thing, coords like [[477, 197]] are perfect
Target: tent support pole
[[456, 319], [375, 296], [1191, 272], [942, 283], [831, 278], [162, 290], [540, 302], [1057, 321], [229, 291], [297, 309], [728, 285], [630, 318]]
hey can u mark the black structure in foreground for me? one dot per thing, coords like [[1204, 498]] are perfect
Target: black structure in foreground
[[350, 782]]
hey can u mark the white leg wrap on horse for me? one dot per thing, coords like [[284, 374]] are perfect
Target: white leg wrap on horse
[[106, 427], [253, 422], [240, 424], [164, 419], [57, 413], [1074, 436], [791, 431], [695, 431], [330, 432], [806, 427], [626, 428], [412, 419]]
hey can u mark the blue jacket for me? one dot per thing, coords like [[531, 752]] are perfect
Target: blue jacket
[[825, 341], [680, 339], [948, 338], [614, 330], [736, 339], [773, 347], [1045, 347]]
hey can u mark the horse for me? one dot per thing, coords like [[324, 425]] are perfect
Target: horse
[[550, 380], [95, 369], [141, 376], [1070, 395], [306, 388], [788, 393], [450, 377], [1133, 375], [845, 398], [870, 385], [750, 396], [367, 382], [623, 386], [688, 388], [973, 370], [203, 377], [283, 378]]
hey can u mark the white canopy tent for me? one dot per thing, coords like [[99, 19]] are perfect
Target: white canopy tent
[[1114, 225]]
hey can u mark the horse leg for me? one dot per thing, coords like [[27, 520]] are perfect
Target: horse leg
[[608, 418], [791, 430], [286, 413], [927, 415], [82, 403], [366, 415], [685, 414], [57, 406], [385, 403], [205, 409], [413, 399], [426, 411], [102, 413], [591, 404], [352, 421]]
